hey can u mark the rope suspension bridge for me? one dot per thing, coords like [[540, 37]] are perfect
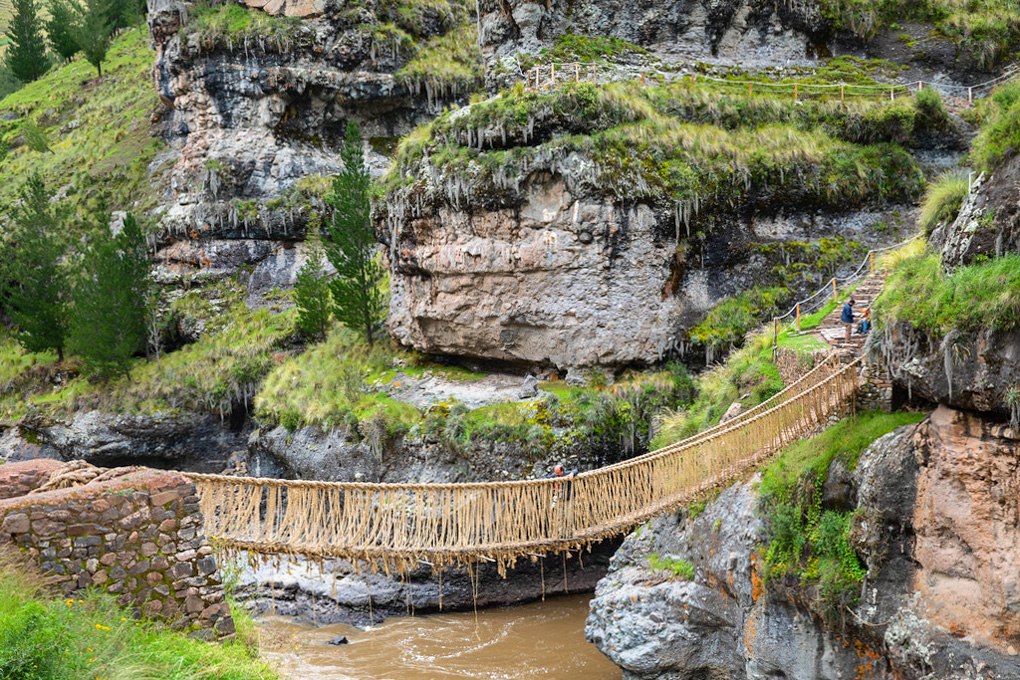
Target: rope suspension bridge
[[397, 527]]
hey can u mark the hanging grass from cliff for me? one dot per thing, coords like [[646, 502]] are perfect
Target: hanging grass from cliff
[[695, 149], [981, 295]]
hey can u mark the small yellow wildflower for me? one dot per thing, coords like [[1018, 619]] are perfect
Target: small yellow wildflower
[[70, 602], [100, 626]]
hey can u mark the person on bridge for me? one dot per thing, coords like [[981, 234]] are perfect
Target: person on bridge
[[848, 318], [558, 473]]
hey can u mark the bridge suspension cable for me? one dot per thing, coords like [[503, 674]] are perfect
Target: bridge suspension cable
[[395, 527]]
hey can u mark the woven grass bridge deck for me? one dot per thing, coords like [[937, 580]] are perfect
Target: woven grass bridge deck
[[396, 527]]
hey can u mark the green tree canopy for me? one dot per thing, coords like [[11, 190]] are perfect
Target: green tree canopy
[[93, 30], [38, 288], [108, 324], [311, 292], [60, 29], [26, 54], [351, 245]]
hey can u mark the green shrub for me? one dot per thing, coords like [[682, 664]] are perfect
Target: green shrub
[[942, 200], [801, 538], [729, 321], [46, 639], [999, 139], [679, 568]]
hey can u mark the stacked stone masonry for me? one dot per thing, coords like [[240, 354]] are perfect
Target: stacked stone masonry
[[138, 537]]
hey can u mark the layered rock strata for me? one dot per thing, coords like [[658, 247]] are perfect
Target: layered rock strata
[[255, 112]]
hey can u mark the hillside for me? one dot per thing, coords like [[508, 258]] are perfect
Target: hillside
[[100, 132]]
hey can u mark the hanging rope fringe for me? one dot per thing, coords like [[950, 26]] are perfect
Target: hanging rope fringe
[[395, 527]]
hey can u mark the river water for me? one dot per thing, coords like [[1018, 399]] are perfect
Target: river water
[[539, 640]]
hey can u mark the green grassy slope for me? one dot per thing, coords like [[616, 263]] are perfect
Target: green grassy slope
[[99, 131]]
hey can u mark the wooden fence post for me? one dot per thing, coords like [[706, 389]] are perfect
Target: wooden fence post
[[750, 89], [552, 74], [795, 92], [642, 79], [835, 295], [872, 258], [577, 72], [892, 94], [798, 317], [841, 87]]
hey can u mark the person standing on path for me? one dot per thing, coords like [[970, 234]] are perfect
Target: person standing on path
[[848, 318]]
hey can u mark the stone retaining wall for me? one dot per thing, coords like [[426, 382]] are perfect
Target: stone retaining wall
[[138, 537]]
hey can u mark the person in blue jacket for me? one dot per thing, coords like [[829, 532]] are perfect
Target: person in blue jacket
[[848, 318]]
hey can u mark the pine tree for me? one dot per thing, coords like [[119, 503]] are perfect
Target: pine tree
[[93, 30], [108, 324], [311, 291], [26, 54], [60, 29], [38, 288], [351, 246]]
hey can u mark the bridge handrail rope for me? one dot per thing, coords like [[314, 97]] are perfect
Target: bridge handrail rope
[[592, 71], [396, 526]]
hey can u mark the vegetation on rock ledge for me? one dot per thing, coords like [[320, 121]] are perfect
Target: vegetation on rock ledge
[[804, 539]]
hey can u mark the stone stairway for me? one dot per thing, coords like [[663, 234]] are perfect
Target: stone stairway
[[833, 331]]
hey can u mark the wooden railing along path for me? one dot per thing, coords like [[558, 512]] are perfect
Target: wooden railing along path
[[396, 527]]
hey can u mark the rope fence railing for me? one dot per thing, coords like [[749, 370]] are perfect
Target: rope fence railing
[[397, 527], [835, 286], [550, 74]]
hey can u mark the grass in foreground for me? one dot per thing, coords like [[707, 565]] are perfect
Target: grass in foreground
[[942, 200], [804, 540], [43, 638]]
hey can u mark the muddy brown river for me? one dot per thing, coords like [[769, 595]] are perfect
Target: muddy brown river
[[539, 640]]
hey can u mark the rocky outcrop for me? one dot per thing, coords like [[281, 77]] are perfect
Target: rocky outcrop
[[988, 224], [166, 439], [259, 97], [977, 370], [752, 32], [936, 526]]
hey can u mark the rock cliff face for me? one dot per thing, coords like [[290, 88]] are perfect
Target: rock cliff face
[[259, 96], [989, 221], [937, 527], [753, 32], [969, 370]]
